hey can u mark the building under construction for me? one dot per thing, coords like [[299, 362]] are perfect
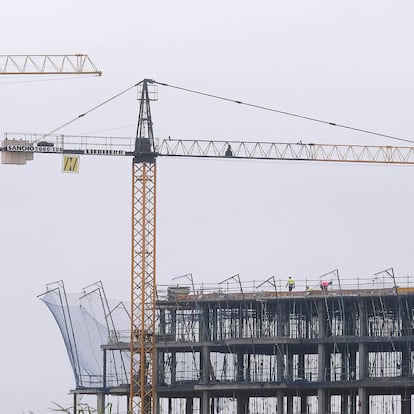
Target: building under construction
[[253, 347]]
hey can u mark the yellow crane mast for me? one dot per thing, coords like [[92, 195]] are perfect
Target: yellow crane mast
[[144, 150], [143, 290]]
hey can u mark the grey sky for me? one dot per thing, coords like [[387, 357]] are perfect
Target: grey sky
[[349, 63]]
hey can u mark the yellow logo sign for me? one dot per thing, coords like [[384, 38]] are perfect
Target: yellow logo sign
[[70, 163]]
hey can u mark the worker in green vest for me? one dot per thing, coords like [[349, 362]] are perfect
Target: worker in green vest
[[290, 283]]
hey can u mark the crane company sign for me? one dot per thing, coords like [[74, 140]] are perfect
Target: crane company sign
[[32, 148], [50, 148]]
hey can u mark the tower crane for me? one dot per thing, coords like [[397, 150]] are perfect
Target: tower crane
[[143, 150]]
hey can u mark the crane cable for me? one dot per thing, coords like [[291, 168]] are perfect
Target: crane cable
[[92, 109], [265, 108]]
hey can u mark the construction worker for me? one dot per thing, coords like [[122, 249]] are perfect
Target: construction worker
[[290, 283], [324, 285], [229, 151]]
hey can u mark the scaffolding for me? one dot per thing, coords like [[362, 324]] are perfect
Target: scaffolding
[[238, 348]]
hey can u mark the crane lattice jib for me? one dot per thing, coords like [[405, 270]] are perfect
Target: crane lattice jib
[[125, 146], [47, 65]]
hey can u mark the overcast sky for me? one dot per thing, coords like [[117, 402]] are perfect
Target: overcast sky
[[346, 62]]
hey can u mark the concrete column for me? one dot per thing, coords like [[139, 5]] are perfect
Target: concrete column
[[205, 364], [280, 363], [280, 354], [352, 365], [323, 362], [215, 325], [345, 370], [100, 403], [363, 404], [242, 404], [248, 376], [323, 359], [258, 330], [188, 405], [205, 403], [363, 318], [173, 354], [75, 404], [173, 367], [204, 331], [303, 404], [363, 361], [162, 322], [174, 324], [406, 403], [289, 357], [289, 404], [301, 365], [104, 369], [156, 403], [322, 394], [352, 406], [323, 401], [159, 373], [405, 363], [281, 320], [279, 396], [344, 403], [322, 319], [240, 366]]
